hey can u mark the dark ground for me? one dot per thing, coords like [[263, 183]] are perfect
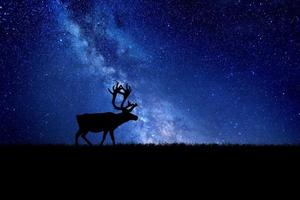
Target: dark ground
[[150, 153], [132, 166]]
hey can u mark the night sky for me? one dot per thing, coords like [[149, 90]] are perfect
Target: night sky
[[201, 71]]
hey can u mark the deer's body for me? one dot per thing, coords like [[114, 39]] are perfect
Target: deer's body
[[98, 122], [106, 122]]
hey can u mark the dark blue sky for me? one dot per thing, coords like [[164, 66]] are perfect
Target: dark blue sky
[[201, 71]]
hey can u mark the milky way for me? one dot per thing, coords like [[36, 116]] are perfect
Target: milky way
[[201, 72]]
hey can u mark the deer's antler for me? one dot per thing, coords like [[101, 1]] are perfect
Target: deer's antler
[[125, 92], [130, 106]]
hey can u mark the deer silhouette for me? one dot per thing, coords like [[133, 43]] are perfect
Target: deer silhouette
[[107, 122]]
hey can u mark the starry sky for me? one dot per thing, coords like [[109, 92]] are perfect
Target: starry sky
[[224, 71]]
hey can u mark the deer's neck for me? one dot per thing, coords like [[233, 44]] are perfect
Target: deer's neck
[[121, 119]]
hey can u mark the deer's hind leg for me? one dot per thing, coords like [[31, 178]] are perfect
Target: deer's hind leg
[[83, 135], [78, 134]]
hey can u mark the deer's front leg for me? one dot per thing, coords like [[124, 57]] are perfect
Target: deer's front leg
[[103, 138], [111, 133]]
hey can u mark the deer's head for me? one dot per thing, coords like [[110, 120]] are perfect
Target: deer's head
[[125, 92]]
